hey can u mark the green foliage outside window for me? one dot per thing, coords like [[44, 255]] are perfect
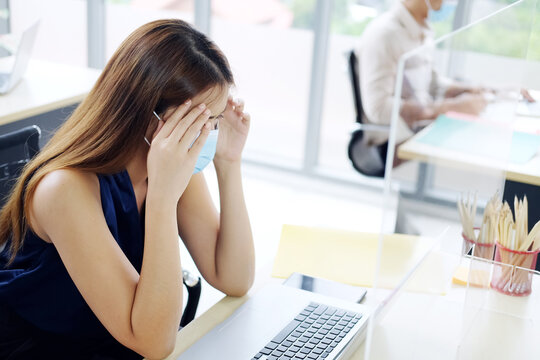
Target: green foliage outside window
[[343, 22], [119, 2], [504, 35]]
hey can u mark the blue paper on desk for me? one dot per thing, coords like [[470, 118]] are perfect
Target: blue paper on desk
[[481, 139]]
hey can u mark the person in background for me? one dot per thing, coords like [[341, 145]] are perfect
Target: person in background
[[425, 94], [91, 264]]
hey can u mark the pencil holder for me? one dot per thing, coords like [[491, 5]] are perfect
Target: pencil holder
[[515, 279], [481, 250]]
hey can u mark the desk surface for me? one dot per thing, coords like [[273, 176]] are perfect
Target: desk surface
[[464, 323], [413, 150], [217, 313], [45, 87]]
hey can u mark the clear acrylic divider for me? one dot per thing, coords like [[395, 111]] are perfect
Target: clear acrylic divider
[[501, 316], [433, 293]]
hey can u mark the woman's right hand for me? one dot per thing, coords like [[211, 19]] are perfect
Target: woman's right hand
[[172, 157]]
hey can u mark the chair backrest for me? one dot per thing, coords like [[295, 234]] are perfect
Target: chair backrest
[[354, 76], [16, 149], [366, 159]]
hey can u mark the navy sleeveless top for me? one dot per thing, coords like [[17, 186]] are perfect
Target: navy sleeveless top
[[37, 286]]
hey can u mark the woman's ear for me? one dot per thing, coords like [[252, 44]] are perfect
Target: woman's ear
[[158, 128], [153, 127]]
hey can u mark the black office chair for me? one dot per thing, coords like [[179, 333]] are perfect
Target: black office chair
[[367, 159], [17, 148]]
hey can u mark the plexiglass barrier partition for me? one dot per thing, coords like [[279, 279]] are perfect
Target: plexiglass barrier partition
[[501, 317], [449, 307], [463, 124]]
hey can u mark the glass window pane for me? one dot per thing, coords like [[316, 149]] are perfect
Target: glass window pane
[[124, 16], [62, 31], [482, 8], [349, 19], [269, 44], [4, 17], [499, 40]]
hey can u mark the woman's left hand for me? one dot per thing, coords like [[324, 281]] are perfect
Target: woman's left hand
[[233, 131]]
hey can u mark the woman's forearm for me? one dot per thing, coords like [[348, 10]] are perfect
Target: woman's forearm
[[235, 254], [158, 299]]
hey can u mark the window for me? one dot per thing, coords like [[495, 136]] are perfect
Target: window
[[269, 44], [124, 16], [349, 19], [62, 31]]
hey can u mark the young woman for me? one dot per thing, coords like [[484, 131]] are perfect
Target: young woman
[[91, 266]]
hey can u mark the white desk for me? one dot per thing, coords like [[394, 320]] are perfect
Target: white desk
[[462, 324], [45, 87], [413, 150]]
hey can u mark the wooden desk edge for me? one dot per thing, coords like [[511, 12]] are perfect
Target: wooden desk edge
[[406, 154], [204, 323], [219, 312], [12, 117]]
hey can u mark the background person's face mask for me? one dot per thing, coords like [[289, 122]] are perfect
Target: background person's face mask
[[446, 11], [207, 152]]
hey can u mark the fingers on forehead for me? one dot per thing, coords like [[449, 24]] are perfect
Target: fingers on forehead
[[213, 98]]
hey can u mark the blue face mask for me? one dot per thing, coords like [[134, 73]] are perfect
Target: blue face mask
[[446, 11], [207, 152]]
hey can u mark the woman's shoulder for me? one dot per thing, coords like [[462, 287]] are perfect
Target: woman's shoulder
[[67, 182], [59, 193]]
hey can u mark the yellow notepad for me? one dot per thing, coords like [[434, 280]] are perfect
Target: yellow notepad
[[350, 257], [474, 277]]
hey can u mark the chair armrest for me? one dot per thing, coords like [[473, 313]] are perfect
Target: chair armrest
[[189, 279], [372, 127], [193, 286]]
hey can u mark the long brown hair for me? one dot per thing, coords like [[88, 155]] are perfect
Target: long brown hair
[[161, 64]]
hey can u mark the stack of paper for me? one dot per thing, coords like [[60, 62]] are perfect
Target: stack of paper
[[350, 257]]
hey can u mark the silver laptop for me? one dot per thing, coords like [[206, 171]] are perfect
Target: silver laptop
[[282, 322], [8, 80]]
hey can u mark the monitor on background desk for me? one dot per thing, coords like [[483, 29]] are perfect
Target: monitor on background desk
[[8, 80]]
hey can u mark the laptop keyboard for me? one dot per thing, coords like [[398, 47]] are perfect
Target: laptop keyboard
[[312, 334]]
